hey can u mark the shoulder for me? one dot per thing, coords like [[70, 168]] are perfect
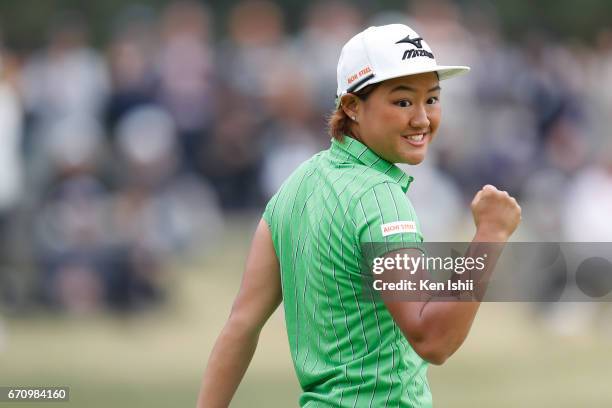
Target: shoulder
[[383, 210]]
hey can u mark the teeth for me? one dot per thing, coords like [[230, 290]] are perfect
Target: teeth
[[416, 138]]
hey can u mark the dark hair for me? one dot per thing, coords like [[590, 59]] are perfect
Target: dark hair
[[339, 124]]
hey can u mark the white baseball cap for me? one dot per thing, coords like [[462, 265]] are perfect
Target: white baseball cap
[[385, 52]]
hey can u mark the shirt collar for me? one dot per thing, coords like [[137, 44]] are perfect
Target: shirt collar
[[360, 153]]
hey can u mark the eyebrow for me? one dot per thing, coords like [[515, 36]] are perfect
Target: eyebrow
[[408, 88]]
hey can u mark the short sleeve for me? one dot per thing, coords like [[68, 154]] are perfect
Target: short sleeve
[[268, 214], [385, 219]]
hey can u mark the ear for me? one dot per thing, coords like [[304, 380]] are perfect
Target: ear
[[350, 104]]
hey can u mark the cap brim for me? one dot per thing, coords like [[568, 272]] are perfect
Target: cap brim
[[444, 72], [449, 71]]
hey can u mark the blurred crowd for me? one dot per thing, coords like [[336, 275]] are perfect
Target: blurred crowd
[[114, 158]]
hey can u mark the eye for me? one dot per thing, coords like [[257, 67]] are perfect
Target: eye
[[433, 100], [404, 103]]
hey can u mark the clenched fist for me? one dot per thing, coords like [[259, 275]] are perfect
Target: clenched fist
[[496, 213]]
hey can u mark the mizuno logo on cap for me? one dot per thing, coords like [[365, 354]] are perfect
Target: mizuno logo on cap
[[414, 41], [416, 53]]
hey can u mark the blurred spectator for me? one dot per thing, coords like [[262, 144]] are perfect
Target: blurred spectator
[[589, 195], [64, 90], [436, 192], [71, 239], [11, 173], [131, 58], [233, 160], [598, 78], [585, 215], [256, 44], [291, 138], [328, 26], [71, 229], [543, 194], [160, 209], [11, 166], [67, 78], [186, 74]]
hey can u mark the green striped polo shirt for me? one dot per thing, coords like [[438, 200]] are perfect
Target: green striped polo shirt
[[347, 351]]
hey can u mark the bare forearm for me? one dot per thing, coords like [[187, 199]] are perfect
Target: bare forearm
[[260, 294], [437, 327], [448, 322], [227, 364], [447, 325]]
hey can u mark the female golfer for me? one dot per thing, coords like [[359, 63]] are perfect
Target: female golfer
[[306, 251]]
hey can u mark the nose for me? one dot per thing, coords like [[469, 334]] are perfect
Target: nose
[[419, 119]]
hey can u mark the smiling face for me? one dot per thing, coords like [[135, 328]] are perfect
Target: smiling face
[[399, 118]]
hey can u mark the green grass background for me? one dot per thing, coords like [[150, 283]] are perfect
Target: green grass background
[[156, 359]]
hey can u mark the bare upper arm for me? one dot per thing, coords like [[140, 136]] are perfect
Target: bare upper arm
[[405, 313], [260, 291], [434, 328]]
